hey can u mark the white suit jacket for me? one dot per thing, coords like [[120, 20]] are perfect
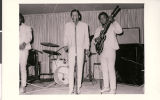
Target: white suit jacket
[[111, 39], [25, 35], [81, 33]]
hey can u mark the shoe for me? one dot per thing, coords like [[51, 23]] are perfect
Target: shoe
[[112, 92], [105, 90], [71, 92], [78, 91]]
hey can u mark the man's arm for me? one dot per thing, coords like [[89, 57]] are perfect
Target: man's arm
[[117, 28], [96, 35], [27, 39], [86, 38], [65, 38], [28, 35]]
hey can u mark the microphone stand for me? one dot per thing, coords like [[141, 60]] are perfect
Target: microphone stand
[[76, 67]]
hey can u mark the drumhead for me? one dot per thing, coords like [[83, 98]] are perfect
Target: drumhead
[[61, 76]]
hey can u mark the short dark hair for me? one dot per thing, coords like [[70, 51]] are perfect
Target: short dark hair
[[79, 14], [102, 13], [21, 17]]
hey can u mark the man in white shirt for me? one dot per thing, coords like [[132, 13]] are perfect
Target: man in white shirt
[[76, 40], [108, 55], [25, 37]]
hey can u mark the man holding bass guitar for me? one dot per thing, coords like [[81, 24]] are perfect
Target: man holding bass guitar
[[108, 55]]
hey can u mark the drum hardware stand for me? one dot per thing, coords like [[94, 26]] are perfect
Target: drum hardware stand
[[50, 69], [50, 54], [60, 48], [76, 77], [89, 70], [36, 69], [90, 75], [44, 87], [50, 73]]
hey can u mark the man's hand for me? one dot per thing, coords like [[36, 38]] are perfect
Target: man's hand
[[87, 52], [111, 19], [66, 48], [22, 46], [97, 39]]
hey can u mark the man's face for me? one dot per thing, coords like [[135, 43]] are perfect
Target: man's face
[[103, 19], [75, 16]]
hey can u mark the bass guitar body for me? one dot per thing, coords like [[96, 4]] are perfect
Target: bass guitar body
[[100, 44]]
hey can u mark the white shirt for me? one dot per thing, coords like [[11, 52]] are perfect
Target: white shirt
[[82, 35], [25, 35], [111, 40]]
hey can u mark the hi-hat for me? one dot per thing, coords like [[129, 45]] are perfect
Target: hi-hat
[[51, 52], [49, 44]]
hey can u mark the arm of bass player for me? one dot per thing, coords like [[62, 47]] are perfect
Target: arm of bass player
[[97, 33], [117, 28], [86, 42]]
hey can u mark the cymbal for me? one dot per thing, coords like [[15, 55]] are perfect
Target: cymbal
[[51, 52], [49, 44]]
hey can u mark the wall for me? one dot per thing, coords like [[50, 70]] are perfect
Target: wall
[[50, 28]]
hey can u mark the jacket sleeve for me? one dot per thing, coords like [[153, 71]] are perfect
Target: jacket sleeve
[[28, 35], [65, 35], [117, 28], [86, 38], [96, 34]]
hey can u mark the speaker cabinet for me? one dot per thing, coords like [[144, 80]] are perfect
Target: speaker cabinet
[[130, 64]]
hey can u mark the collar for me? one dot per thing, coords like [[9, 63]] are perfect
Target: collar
[[77, 23]]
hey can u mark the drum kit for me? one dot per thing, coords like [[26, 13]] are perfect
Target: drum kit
[[58, 67]]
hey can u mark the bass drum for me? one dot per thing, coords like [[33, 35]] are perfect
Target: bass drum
[[61, 75]]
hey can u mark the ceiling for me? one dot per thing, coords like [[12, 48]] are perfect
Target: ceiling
[[55, 8]]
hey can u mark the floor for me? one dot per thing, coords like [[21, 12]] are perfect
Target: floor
[[88, 87]]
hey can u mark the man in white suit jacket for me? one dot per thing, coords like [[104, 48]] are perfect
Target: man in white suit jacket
[[25, 37], [76, 39], [108, 55]]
